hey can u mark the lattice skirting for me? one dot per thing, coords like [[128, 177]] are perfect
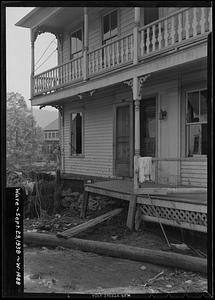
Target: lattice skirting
[[177, 215]]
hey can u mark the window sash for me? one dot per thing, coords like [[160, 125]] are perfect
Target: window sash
[[110, 26], [76, 133], [76, 43], [196, 142]]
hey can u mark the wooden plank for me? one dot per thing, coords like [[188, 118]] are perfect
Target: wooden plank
[[175, 223], [84, 205], [131, 212], [168, 259], [89, 224], [165, 191], [113, 194]]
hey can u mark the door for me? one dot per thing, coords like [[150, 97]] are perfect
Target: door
[[148, 127], [123, 141]]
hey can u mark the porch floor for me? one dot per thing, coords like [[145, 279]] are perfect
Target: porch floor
[[125, 188], [187, 210]]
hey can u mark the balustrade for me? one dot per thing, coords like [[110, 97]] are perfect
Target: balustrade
[[183, 25], [180, 26], [111, 55]]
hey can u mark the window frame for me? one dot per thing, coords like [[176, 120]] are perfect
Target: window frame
[[78, 155], [188, 124], [72, 55], [109, 40]]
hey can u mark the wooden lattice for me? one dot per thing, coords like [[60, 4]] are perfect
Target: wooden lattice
[[178, 215]]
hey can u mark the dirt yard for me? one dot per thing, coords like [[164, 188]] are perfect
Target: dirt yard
[[69, 271]]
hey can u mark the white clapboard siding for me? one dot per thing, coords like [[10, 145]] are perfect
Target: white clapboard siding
[[98, 139], [126, 16], [194, 172]]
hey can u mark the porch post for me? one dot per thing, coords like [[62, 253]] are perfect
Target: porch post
[[32, 62], [136, 99], [136, 33], [85, 57]]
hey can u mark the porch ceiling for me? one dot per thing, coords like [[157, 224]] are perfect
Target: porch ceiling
[[55, 19]]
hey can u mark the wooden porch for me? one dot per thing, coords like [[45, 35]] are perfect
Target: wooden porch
[[185, 208]]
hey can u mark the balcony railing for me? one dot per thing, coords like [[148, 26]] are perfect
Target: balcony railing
[[174, 29], [114, 54], [59, 76], [183, 26]]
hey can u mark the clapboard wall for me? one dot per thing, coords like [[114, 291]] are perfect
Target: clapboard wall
[[98, 110], [194, 172]]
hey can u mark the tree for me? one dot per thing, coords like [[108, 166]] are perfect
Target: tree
[[24, 138]]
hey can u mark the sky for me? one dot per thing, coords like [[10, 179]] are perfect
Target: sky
[[18, 53]]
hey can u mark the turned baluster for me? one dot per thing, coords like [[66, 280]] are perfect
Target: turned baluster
[[153, 38], [165, 33], [203, 20], [159, 36], [142, 43], [173, 30], [194, 25], [180, 27], [210, 19], [147, 40], [187, 24]]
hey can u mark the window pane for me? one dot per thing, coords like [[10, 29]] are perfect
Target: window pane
[[150, 14], [76, 43], [193, 107], [106, 25], [113, 17], [50, 135], [79, 133], [73, 45], [194, 139], [203, 106], [76, 133]]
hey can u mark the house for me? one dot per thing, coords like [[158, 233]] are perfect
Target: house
[[51, 139], [131, 82]]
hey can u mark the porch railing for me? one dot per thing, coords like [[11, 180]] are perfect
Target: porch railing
[[180, 27], [174, 29], [58, 76], [111, 55]]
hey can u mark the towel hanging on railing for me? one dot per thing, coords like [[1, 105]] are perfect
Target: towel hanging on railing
[[145, 169]]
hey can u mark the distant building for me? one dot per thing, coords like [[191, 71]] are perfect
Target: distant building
[[51, 140]]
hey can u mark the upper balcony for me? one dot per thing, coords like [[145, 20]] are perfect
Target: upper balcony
[[183, 28]]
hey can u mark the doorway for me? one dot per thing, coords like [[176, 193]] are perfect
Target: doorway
[[123, 141], [148, 132]]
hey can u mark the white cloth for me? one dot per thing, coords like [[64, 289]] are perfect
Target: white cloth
[[145, 168]]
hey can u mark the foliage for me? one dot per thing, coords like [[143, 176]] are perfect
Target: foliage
[[24, 138]]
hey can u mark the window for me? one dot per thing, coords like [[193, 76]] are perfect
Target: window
[[151, 14], [76, 133], [57, 135], [46, 136], [76, 44], [53, 135], [50, 135], [196, 123], [110, 26]]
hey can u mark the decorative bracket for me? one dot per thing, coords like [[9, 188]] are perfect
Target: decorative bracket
[[59, 107], [141, 80], [92, 92]]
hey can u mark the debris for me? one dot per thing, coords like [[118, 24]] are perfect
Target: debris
[[143, 268], [168, 259], [58, 216], [168, 285], [35, 276], [91, 223], [44, 248], [188, 281], [153, 279], [114, 237], [182, 246], [32, 230], [60, 248]]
